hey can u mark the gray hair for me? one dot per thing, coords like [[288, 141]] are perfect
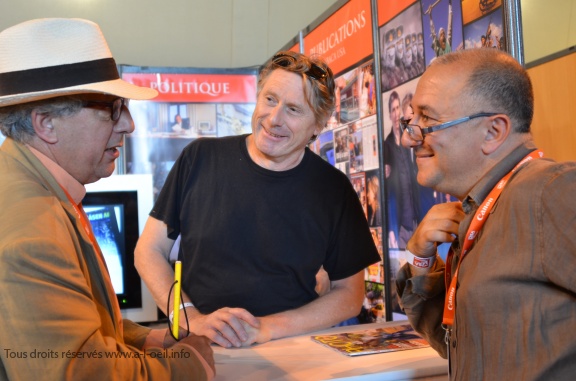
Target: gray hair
[[497, 80], [16, 120]]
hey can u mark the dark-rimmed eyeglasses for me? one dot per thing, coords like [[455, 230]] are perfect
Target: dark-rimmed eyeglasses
[[116, 106], [417, 133], [314, 71]]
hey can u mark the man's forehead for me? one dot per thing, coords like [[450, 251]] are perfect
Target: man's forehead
[[279, 78], [440, 85], [286, 85]]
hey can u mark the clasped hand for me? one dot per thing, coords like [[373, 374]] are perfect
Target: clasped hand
[[229, 327]]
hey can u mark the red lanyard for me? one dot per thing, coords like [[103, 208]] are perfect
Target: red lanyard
[[475, 226]]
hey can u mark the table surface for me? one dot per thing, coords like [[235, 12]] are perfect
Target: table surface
[[300, 358]]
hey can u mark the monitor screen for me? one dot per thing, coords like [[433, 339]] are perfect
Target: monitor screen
[[117, 207], [114, 219]]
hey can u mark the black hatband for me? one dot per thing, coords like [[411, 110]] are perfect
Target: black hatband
[[58, 77]]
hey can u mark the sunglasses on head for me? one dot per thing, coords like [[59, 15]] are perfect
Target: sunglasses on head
[[286, 60]]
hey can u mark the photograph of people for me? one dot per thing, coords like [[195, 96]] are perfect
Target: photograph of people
[[400, 176], [349, 87], [373, 198], [486, 32], [368, 89], [444, 31], [177, 126], [475, 9], [399, 61]]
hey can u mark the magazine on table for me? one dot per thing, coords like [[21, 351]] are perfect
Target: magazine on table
[[377, 340]]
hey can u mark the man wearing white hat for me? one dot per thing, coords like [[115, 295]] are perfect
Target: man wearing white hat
[[63, 110]]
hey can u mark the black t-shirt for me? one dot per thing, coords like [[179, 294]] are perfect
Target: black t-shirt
[[255, 238]]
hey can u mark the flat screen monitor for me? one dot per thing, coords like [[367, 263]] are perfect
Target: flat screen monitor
[[117, 208]]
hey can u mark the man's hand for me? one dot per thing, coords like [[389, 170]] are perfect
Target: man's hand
[[169, 339], [163, 338], [202, 346], [438, 226], [226, 326], [259, 335]]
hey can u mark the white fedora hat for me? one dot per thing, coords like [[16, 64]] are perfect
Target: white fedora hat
[[52, 57]]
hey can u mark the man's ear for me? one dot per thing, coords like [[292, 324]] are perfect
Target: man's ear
[[497, 132], [317, 132], [44, 127]]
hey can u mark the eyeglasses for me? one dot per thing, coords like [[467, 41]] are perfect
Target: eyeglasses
[[417, 133], [286, 60], [115, 106]]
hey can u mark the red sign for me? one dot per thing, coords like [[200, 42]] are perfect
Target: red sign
[[198, 88], [344, 38], [387, 10]]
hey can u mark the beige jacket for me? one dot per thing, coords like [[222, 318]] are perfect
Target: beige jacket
[[58, 312]]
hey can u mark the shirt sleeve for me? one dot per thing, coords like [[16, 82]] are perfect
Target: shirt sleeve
[[135, 334], [422, 299]]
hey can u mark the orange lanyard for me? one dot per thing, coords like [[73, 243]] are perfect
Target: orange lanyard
[[87, 226], [100, 257], [475, 227]]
